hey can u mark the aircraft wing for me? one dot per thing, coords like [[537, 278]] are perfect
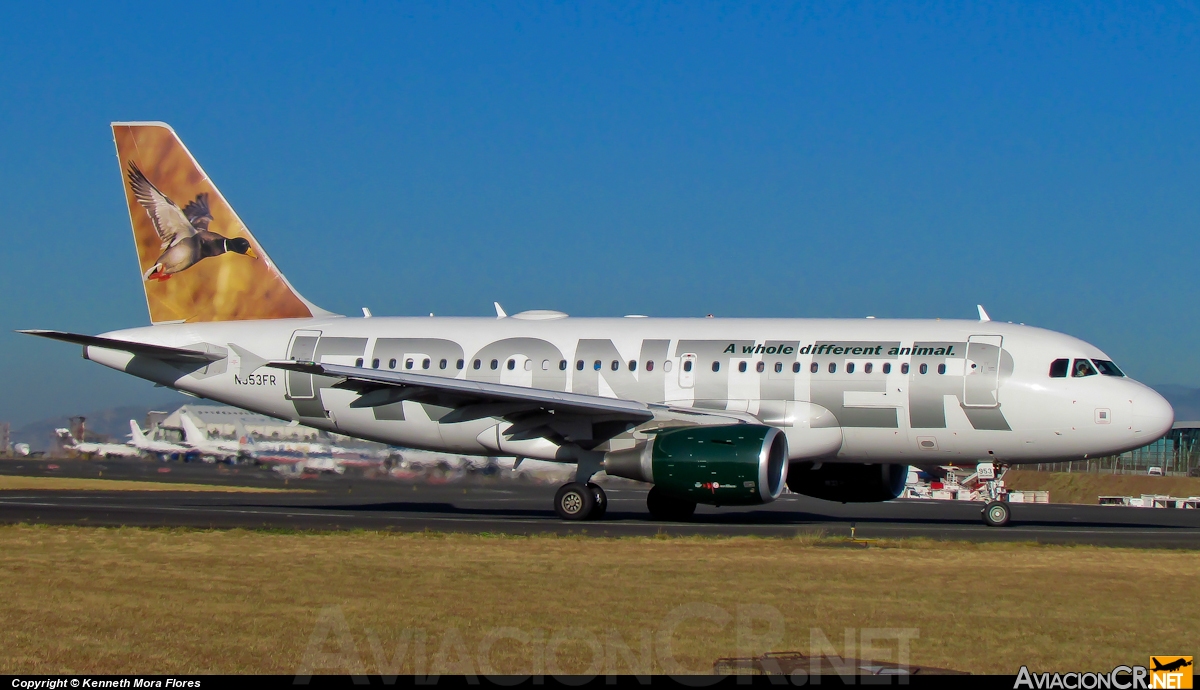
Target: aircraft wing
[[534, 412], [155, 351]]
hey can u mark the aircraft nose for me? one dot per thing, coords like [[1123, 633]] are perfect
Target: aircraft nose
[[1152, 414]]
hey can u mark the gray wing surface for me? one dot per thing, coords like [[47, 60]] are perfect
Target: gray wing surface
[[559, 416]]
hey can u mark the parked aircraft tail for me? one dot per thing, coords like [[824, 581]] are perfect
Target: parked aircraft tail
[[198, 261], [191, 433], [137, 436], [65, 437]]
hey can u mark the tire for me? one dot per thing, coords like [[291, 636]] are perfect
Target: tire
[[601, 506], [574, 501], [996, 514], [668, 508]]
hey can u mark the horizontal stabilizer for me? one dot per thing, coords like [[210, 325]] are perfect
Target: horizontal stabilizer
[[156, 351]]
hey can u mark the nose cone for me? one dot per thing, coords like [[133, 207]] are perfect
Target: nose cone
[[1152, 414]]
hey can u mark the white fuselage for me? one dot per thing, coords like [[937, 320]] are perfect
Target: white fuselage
[[923, 392]]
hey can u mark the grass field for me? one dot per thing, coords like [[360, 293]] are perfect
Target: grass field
[[13, 483], [90, 600], [1087, 487]]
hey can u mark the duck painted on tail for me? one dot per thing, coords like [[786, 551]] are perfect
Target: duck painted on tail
[[186, 239]]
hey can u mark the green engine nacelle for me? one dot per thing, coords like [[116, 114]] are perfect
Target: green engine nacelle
[[739, 464]]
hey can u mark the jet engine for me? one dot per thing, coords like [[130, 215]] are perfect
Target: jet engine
[[848, 482], [738, 464]]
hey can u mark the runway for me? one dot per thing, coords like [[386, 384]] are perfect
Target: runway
[[498, 505]]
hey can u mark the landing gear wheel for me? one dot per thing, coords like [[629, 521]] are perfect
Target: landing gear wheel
[[995, 514], [574, 501], [601, 506], [665, 507]]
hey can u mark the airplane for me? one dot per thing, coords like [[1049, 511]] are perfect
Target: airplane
[[716, 411], [92, 449], [199, 442], [139, 440]]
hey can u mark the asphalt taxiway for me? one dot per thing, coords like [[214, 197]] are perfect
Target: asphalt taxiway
[[499, 505]]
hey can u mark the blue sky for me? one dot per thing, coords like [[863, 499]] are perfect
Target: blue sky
[[824, 159]]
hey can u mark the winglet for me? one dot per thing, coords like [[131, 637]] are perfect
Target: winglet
[[983, 315], [499, 310]]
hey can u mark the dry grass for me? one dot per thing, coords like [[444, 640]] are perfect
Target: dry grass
[[1087, 487], [14, 483], [88, 600]]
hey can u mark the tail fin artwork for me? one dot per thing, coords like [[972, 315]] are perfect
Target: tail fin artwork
[[198, 261]]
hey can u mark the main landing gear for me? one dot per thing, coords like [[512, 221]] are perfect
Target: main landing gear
[[578, 501]]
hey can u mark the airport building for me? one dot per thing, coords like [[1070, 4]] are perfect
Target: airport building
[[1177, 453], [220, 421]]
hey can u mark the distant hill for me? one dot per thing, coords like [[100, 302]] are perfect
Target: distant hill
[[108, 424], [1185, 400]]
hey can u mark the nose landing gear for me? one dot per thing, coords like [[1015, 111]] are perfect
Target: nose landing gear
[[995, 514]]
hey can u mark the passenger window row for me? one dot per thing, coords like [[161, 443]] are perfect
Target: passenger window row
[[1058, 368]]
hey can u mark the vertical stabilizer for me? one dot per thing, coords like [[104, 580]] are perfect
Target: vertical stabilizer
[[191, 433], [136, 436], [198, 262]]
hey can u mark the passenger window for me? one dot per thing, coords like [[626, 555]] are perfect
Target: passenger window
[[667, 366], [616, 365], [832, 368], [1082, 368], [741, 367], [778, 367], [1107, 368], [850, 368], [545, 365], [1058, 368], [716, 366], [425, 363], [512, 364], [941, 368], [924, 369], [814, 367], [375, 363], [760, 367], [904, 368], [633, 365], [868, 367], [650, 365], [408, 364], [887, 367], [442, 364], [562, 365], [597, 365], [687, 365], [358, 362], [460, 364], [495, 364], [476, 364], [579, 365], [391, 364]]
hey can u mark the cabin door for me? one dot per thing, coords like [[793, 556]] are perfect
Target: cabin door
[[981, 375]]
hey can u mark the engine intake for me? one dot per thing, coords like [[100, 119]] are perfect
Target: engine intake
[[738, 464], [848, 482]]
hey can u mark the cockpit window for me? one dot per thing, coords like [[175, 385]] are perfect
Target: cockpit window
[[1082, 368], [1058, 368], [1107, 368]]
